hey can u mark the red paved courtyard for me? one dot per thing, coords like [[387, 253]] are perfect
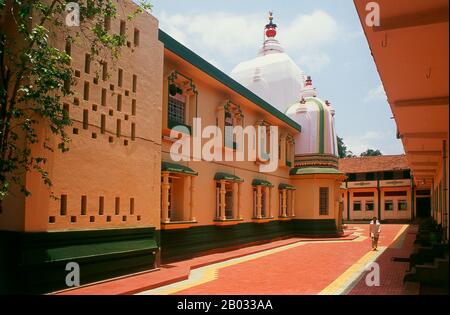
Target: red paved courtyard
[[306, 267]]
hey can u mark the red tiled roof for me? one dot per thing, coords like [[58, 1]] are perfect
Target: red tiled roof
[[373, 164]]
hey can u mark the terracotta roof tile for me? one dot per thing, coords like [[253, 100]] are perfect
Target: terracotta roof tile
[[373, 164]]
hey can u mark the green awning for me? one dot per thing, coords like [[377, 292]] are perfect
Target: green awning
[[228, 177], [262, 182], [314, 171], [177, 168], [286, 187]]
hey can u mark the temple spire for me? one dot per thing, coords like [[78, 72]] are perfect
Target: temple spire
[[271, 45]]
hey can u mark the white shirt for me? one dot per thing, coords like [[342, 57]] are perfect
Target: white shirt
[[375, 229]]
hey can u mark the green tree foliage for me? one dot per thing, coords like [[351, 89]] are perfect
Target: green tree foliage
[[343, 150], [35, 75], [371, 152]]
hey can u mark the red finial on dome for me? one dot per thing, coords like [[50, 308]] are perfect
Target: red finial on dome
[[271, 28], [308, 81]]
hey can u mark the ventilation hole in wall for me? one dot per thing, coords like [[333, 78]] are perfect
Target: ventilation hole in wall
[[94, 135], [119, 102], [73, 219], [111, 139], [103, 101], [127, 93], [120, 78], [103, 124], [132, 206], [86, 91], [117, 206], [51, 220], [63, 205], [85, 119], [138, 218], [68, 48], [124, 218], [67, 86], [107, 23], [128, 44], [66, 108], [101, 205], [134, 83], [94, 107], [125, 142], [77, 73], [123, 27], [108, 218], [75, 131], [92, 219], [87, 63], [133, 131], [111, 112], [136, 37], [83, 205], [126, 117], [76, 101], [104, 71], [111, 87], [119, 128], [95, 80], [133, 107]]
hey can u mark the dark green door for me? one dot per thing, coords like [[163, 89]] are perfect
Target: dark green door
[[423, 207]]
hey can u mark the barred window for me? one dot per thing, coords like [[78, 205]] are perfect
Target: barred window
[[323, 202], [177, 109]]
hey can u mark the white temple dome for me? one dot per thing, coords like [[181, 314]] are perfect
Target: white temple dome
[[273, 75], [318, 136]]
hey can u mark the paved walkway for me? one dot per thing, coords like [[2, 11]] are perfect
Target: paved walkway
[[293, 266]]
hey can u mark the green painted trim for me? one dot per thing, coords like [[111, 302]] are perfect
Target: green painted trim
[[194, 59], [261, 182], [228, 177], [34, 263], [177, 168], [286, 187], [314, 170]]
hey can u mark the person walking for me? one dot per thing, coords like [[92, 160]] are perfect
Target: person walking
[[374, 232]]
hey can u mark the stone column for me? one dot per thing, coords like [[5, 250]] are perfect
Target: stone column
[[223, 192], [258, 202], [292, 203], [269, 190], [239, 201], [235, 200], [284, 204], [192, 205], [165, 198]]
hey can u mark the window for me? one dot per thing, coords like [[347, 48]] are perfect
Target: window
[[123, 26], [395, 193], [364, 194], [360, 177], [264, 198], [389, 205], [370, 206], [323, 201], [177, 110], [357, 206], [229, 202], [402, 205]]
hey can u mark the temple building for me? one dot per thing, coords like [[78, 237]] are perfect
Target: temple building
[[125, 206]]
